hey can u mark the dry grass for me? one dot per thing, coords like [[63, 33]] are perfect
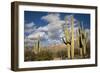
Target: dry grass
[[53, 52]]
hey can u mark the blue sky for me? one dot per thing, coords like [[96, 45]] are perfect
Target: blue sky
[[48, 25], [30, 16]]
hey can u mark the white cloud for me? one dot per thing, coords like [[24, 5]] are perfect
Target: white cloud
[[28, 42], [36, 35], [54, 21], [51, 17], [43, 29], [29, 28], [54, 25], [29, 25]]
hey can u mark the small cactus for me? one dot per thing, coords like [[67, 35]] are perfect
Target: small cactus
[[36, 46]]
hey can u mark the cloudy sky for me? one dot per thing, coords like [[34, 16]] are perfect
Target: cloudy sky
[[47, 26]]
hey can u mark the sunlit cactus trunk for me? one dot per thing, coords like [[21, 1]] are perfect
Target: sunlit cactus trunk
[[70, 44], [66, 41], [81, 52], [72, 37], [84, 49], [36, 46], [78, 42], [78, 35], [68, 51], [82, 40], [68, 48]]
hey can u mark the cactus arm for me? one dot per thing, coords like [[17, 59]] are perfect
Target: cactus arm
[[86, 35], [66, 32], [64, 41], [68, 51]]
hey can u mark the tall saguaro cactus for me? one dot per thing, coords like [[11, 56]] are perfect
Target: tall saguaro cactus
[[82, 40], [72, 36], [67, 39], [68, 42]]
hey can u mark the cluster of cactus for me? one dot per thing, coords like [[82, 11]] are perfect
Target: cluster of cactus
[[82, 39], [69, 40]]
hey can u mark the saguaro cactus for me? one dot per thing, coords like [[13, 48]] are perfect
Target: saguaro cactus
[[67, 41], [72, 36], [36, 46], [82, 40]]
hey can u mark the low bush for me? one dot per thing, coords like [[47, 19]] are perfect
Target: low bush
[[44, 55]]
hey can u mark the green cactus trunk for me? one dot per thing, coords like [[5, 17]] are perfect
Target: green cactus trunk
[[84, 49], [66, 41], [68, 51], [67, 45], [72, 39], [83, 40], [81, 53], [80, 40], [36, 46]]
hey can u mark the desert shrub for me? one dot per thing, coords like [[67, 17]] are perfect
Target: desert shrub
[[28, 56], [43, 55], [62, 54], [40, 56]]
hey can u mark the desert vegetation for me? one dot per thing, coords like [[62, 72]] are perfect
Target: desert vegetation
[[71, 48]]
